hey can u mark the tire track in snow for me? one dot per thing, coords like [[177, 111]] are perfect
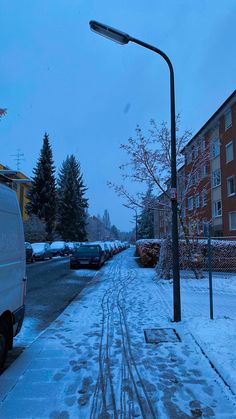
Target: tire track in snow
[[106, 401]]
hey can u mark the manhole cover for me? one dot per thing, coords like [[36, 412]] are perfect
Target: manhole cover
[[161, 335]]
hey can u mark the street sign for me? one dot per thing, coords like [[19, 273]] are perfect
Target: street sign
[[173, 194]]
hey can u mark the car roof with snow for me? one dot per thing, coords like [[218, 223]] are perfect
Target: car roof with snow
[[102, 244], [57, 244]]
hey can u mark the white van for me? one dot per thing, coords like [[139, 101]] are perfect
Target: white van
[[12, 270]]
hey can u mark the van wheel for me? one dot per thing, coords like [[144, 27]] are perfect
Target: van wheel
[[3, 343]]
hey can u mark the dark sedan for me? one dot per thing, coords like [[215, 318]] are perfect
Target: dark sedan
[[88, 255]]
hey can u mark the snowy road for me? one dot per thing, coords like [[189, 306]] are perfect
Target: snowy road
[[51, 286], [94, 362]]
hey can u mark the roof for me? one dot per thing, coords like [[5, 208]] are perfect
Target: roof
[[218, 111]]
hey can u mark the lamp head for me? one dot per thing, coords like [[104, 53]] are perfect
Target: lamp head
[[110, 33]]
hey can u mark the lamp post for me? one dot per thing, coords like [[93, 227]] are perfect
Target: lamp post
[[123, 38]]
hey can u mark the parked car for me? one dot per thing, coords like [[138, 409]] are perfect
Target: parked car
[[88, 255], [59, 248], [29, 253], [110, 249], [42, 251], [104, 247], [12, 270], [71, 246]]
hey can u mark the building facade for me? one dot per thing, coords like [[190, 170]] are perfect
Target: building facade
[[210, 170], [207, 181], [20, 183]]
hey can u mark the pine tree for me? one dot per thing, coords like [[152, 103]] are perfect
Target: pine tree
[[115, 232], [72, 205], [145, 219], [42, 194]]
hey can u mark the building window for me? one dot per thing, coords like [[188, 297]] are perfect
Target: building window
[[204, 197], [197, 200], [196, 177], [217, 209], [228, 120], [190, 203], [216, 178], [195, 150], [205, 225], [215, 148], [189, 156], [203, 144], [230, 186], [229, 152], [190, 180], [203, 170], [232, 221]]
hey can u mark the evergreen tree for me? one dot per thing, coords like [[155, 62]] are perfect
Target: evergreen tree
[[42, 194], [115, 233], [145, 219], [72, 205], [106, 220]]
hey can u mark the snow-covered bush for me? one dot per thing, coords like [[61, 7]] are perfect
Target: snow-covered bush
[[35, 229], [148, 250]]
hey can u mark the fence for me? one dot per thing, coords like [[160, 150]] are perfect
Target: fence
[[216, 291], [193, 253]]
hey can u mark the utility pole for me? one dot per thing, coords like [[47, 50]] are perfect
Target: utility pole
[[19, 157]]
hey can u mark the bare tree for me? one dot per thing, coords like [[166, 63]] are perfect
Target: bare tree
[[96, 229], [150, 160], [149, 164]]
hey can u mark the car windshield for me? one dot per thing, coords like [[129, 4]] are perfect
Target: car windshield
[[38, 246], [88, 249], [27, 245]]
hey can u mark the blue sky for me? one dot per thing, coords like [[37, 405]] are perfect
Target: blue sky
[[89, 93]]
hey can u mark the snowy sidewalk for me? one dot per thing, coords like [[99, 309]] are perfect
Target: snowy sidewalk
[[94, 362]]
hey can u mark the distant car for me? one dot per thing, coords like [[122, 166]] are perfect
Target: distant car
[[60, 248], [41, 251], [71, 246], [110, 249], [29, 253], [104, 247], [88, 255], [76, 246]]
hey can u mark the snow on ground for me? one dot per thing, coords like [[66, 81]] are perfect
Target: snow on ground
[[29, 332], [94, 362], [216, 337], [84, 272], [31, 327]]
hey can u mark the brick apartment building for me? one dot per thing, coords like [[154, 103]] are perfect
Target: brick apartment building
[[210, 170], [207, 181], [162, 217]]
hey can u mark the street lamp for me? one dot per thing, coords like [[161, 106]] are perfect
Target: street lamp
[[123, 38]]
